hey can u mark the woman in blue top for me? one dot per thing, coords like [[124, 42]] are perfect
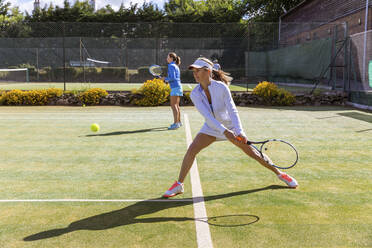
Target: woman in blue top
[[173, 78]]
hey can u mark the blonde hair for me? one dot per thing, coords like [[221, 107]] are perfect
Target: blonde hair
[[175, 58], [218, 75]]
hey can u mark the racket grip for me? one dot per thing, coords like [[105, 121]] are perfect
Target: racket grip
[[240, 139]]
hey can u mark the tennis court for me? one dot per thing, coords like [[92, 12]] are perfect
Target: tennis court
[[64, 186]]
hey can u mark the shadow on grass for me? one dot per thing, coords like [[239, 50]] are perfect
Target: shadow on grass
[[358, 116], [365, 130], [328, 117], [155, 129], [305, 108], [131, 214]]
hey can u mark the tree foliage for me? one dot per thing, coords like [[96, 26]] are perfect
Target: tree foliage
[[208, 11], [267, 10], [138, 20], [4, 7], [187, 11]]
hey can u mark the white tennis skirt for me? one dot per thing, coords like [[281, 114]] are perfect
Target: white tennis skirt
[[215, 133]]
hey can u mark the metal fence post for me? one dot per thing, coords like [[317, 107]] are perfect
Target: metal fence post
[[64, 56]]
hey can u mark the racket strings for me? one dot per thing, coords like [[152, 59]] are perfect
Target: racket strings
[[280, 153], [155, 70]]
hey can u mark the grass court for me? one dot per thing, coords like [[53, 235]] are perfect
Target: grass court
[[62, 185]]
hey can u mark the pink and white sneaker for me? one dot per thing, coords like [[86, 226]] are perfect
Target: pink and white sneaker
[[290, 181], [176, 189]]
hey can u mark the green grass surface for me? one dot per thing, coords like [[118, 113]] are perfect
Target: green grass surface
[[50, 153], [85, 86], [69, 86]]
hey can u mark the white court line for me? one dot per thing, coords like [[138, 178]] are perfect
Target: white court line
[[78, 119], [95, 200], [203, 234]]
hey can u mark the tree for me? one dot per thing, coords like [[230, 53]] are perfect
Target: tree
[[4, 9], [267, 10], [12, 25], [206, 11]]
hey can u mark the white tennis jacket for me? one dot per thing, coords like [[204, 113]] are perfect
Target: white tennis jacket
[[221, 114]]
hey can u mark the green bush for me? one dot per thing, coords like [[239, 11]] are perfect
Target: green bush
[[153, 93], [187, 76], [272, 95], [114, 74], [236, 73], [186, 99], [92, 96], [76, 74]]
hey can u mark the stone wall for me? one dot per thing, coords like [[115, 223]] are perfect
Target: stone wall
[[240, 98]]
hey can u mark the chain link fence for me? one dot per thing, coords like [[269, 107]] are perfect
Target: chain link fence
[[56, 52], [360, 80]]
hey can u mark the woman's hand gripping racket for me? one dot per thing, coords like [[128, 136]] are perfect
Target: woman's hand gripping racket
[[155, 70], [279, 153]]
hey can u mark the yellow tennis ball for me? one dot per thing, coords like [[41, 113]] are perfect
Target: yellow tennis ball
[[94, 127]]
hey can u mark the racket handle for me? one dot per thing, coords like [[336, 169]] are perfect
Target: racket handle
[[240, 139]]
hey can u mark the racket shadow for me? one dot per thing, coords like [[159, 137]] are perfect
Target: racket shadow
[[155, 129], [132, 214]]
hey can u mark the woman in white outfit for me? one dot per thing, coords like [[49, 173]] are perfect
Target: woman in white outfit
[[213, 100]]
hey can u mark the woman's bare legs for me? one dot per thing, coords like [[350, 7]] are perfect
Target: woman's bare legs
[[175, 105], [200, 142], [253, 153]]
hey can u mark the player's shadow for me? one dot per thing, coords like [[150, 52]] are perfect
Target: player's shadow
[[155, 129], [132, 214]]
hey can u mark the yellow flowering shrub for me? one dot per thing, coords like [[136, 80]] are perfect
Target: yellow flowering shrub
[[154, 93], [186, 99], [31, 97], [35, 97], [284, 98], [265, 90], [273, 95], [92, 96], [2, 97], [14, 97], [53, 92]]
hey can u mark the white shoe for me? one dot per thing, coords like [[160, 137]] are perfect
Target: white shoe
[[174, 190], [290, 181]]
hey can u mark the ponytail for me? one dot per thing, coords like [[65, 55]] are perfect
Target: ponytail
[[178, 60], [222, 76], [218, 75], [175, 58]]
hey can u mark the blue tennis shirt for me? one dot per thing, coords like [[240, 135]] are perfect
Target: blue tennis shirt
[[173, 77]]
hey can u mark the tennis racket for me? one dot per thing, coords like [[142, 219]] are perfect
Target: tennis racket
[[279, 153], [155, 70]]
